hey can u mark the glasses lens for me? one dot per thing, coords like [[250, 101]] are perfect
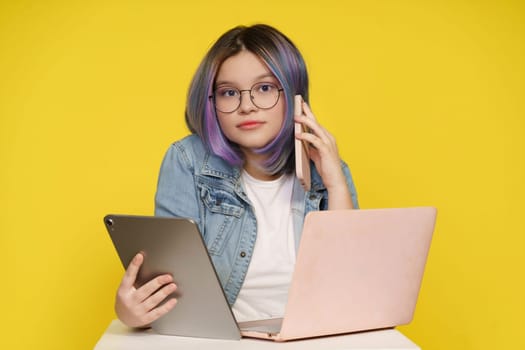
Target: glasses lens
[[265, 95], [227, 99]]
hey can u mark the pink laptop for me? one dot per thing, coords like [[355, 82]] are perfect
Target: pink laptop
[[356, 270]]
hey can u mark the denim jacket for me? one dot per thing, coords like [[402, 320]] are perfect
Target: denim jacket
[[193, 183]]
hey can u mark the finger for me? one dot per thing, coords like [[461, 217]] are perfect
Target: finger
[[154, 300], [302, 113], [314, 129], [314, 141], [131, 272], [322, 147], [307, 111], [298, 105], [320, 129], [151, 286], [160, 311]]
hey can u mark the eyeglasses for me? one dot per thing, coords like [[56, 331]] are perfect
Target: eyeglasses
[[227, 99]]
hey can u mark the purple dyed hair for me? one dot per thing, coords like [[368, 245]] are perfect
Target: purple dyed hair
[[285, 62]]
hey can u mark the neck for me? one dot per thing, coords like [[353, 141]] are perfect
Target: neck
[[252, 166]]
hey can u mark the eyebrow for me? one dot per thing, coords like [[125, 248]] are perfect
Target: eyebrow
[[259, 77]]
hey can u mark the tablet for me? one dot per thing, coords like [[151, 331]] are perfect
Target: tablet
[[175, 246]]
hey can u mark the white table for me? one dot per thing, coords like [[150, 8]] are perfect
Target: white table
[[118, 336]]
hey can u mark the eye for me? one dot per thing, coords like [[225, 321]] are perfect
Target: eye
[[226, 92], [265, 88]]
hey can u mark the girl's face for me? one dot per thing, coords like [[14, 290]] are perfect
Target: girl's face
[[249, 126]]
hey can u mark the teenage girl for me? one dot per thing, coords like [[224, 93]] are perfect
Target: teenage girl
[[234, 176]]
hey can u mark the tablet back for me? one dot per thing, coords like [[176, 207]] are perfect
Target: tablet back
[[175, 246]]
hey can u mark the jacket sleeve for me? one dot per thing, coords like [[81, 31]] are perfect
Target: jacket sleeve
[[176, 191], [350, 184]]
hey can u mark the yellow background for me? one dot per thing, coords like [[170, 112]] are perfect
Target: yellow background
[[425, 99]]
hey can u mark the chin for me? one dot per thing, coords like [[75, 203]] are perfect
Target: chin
[[253, 145]]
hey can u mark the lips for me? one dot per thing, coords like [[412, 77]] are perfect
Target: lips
[[249, 124]]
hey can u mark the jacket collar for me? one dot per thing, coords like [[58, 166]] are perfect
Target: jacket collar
[[216, 167]]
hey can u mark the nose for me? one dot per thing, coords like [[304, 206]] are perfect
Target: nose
[[246, 102]]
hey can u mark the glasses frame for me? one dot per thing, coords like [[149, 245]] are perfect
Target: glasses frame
[[279, 90]]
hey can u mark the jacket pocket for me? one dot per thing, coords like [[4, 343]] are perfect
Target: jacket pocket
[[222, 214]]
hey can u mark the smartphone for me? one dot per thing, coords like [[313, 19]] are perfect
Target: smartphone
[[302, 154]]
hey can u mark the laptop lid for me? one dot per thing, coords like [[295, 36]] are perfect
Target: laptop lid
[[175, 246], [356, 270]]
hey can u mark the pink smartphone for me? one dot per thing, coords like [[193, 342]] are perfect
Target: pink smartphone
[[302, 158]]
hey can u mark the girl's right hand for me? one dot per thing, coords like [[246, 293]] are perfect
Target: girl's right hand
[[140, 307]]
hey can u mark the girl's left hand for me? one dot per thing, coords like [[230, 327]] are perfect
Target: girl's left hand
[[324, 153]]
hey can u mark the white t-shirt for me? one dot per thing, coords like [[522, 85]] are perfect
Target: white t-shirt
[[264, 292]]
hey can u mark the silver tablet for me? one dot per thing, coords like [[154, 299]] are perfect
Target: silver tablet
[[175, 246]]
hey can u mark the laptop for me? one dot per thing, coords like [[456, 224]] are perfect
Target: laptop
[[356, 270]]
